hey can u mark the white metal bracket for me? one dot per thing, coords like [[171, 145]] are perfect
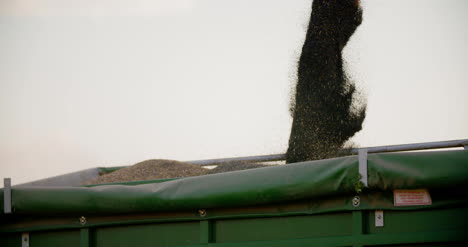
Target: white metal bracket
[[379, 218], [7, 195], [362, 154], [25, 239]]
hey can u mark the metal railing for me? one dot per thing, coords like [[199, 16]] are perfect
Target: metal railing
[[75, 178], [379, 149]]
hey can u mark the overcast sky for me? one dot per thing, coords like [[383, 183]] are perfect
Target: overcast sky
[[109, 83]]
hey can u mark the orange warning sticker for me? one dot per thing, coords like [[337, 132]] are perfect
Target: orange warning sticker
[[411, 197]]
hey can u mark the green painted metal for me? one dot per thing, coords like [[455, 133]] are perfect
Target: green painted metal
[[84, 237], [12, 239], [206, 231], [168, 234], [278, 228], [304, 204], [334, 229], [67, 238]]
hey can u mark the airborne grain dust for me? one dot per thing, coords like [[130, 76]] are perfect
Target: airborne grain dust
[[324, 115]]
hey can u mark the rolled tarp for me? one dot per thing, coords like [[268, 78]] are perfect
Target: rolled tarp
[[277, 184]]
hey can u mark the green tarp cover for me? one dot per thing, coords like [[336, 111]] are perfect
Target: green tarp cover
[[278, 184]]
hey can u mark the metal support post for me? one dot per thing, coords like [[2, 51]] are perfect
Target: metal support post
[[363, 165], [7, 195]]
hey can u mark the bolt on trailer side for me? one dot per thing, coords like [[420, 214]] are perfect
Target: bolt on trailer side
[[411, 199]]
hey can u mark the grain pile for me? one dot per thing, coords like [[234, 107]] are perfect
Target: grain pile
[[150, 169], [161, 169]]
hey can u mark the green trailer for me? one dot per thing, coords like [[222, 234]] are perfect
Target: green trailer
[[382, 199]]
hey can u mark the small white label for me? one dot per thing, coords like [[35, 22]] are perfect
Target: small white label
[[411, 197], [25, 239], [379, 218]]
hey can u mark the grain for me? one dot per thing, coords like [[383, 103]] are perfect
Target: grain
[[326, 108], [162, 169], [149, 170]]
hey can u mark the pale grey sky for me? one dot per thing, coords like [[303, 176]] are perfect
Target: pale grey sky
[[109, 83]]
